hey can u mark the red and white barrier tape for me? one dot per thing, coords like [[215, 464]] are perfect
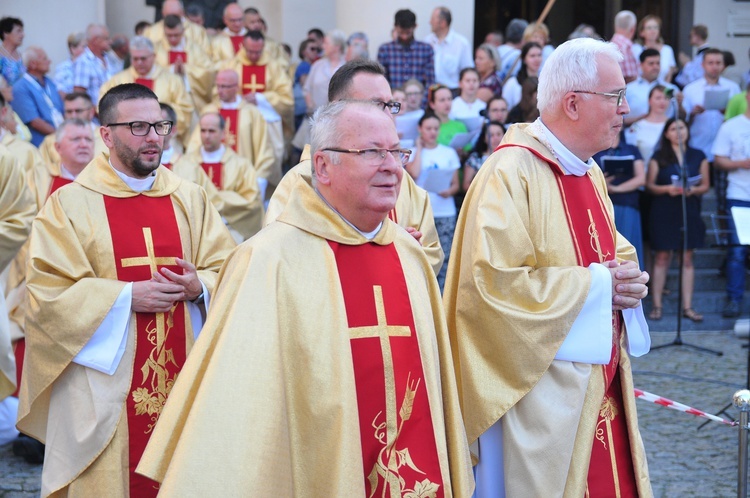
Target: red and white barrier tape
[[653, 398]]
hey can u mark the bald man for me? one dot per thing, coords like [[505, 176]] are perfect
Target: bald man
[[195, 33], [247, 132], [228, 42], [91, 69]]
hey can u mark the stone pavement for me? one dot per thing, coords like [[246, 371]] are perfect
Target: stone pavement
[[683, 460]]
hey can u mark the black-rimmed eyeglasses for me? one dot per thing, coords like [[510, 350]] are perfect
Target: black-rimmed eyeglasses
[[620, 95], [141, 128], [393, 107], [373, 155]]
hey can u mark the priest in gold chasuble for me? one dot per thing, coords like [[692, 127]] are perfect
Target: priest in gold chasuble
[[169, 87], [540, 277], [236, 194], [246, 133], [336, 317], [17, 209], [123, 262]]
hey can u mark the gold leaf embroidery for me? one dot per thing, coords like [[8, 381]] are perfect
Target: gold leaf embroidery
[[608, 410], [423, 489]]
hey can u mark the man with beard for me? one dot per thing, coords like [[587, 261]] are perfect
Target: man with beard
[[404, 57], [122, 264]]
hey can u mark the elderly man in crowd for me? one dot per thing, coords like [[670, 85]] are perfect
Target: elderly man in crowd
[[237, 196], [35, 96], [365, 354], [540, 277], [123, 262]]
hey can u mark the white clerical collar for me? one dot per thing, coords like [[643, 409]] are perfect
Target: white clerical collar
[[136, 184], [66, 174], [2, 134], [166, 155], [180, 47], [368, 235], [232, 105], [213, 157], [242, 32], [569, 161]]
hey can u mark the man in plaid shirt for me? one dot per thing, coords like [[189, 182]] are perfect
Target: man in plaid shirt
[[406, 58], [625, 22], [91, 70]]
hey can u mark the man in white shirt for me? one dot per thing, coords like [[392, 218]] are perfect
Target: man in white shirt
[[637, 91], [704, 123], [452, 50], [732, 154]]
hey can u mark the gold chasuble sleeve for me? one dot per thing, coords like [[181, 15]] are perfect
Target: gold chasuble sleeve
[[17, 208], [72, 284], [412, 209], [279, 312]]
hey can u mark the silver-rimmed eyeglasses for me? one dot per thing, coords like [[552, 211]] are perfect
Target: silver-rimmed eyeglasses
[[620, 95], [374, 155]]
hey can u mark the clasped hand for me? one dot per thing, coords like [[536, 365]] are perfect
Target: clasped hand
[[628, 284], [165, 288]]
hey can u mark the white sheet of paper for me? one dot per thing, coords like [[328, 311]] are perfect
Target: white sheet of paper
[[438, 180], [406, 124], [741, 217], [716, 100], [473, 124], [460, 140]]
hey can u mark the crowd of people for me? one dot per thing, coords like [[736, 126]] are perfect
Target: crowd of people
[[397, 218]]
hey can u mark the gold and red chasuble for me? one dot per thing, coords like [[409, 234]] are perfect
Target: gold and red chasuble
[[57, 182], [253, 79], [237, 42], [592, 230], [213, 170], [167, 165], [19, 347], [148, 83], [230, 117], [146, 238], [175, 54], [399, 451]]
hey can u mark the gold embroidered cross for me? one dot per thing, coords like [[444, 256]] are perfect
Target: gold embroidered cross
[[384, 332], [230, 139], [152, 261], [595, 244], [253, 85]]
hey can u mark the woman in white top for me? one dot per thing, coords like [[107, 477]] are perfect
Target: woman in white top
[[649, 36], [645, 132], [531, 62], [467, 104], [429, 155]]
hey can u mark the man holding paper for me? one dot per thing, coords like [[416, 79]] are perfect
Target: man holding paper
[[732, 154], [543, 298], [705, 101]]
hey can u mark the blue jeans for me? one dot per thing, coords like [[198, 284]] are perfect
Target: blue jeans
[[735, 257]]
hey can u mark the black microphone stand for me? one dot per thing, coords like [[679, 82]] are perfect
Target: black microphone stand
[[684, 243]]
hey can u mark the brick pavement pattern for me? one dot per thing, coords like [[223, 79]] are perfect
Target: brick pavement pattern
[[683, 460]]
